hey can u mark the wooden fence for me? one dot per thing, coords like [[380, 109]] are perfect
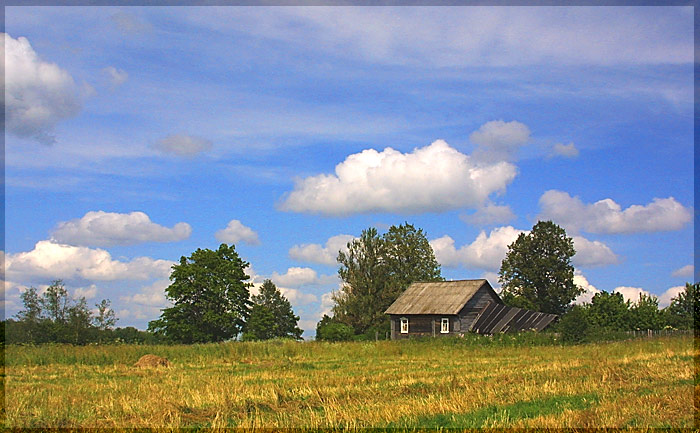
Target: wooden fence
[[648, 333]]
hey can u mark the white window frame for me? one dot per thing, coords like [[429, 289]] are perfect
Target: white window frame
[[404, 325], [445, 325]]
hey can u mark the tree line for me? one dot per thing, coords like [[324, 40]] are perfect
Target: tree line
[[211, 298], [211, 301], [536, 274]]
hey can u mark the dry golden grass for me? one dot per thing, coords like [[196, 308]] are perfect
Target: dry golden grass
[[640, 383]]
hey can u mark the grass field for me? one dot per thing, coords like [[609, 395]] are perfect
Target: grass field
[[410, 384]]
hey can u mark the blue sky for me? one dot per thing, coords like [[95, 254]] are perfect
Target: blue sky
[[135, 135]]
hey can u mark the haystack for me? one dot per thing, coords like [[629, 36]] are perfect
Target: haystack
[[152, 361]]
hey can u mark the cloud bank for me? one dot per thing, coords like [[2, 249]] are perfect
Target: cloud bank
[[50, 260], [103, 229], [606, 216]]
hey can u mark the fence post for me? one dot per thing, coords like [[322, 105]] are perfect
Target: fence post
[[376, 335]]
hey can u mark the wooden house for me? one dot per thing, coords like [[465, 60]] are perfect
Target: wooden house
[[444, 308]]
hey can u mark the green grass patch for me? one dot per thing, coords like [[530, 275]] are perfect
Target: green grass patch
[[507, 414]]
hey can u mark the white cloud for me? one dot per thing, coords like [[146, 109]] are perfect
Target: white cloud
[[589, 290], [38, 94], [116, 77], [51, 260], [591, 253], [685, 271], [489, 214], [474, 36], [316, 253], [606, 216], [434, 178], [152, 295], [498, 140], [486, 252], [85, 292], [98, 228], [327, 304], [666, 297], [631, 293], [236, 232], [565, 150], [296, 277], [183, 145]]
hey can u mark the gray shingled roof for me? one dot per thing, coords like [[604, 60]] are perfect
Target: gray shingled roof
[[440, 297]]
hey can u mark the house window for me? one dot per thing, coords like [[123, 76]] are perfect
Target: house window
[[404, 325], [445, 325]]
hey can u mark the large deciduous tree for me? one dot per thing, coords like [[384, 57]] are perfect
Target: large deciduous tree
[[271, 316], [210, 296], [537, 273], [377, 269]]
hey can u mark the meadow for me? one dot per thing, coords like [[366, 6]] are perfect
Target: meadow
[[643, 383]]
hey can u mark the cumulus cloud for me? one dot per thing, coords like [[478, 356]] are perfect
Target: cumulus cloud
[[317, 253], [589, 290], [38, 94], [293, 277], [327, 304], [631, 293], [486, 252], [434, 178], [183, 145], [296, 277], [592, 253], [50, 260], [236, 232], [666, 297], [606, 216], [85, 292], [489, 214], [152, 295], [499, 141], [116, 77], [565, 150], [99, 228], [685, 271]]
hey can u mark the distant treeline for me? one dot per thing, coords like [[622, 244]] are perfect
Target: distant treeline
[[54, 317]]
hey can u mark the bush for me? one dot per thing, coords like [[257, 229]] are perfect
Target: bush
[[573, 325], [330, 330]]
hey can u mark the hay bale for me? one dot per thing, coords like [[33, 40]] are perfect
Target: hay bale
[[152, 361]]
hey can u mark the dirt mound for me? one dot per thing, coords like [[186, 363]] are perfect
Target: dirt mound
[[152, 361]]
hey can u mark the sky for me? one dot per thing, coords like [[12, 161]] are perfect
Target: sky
[[135, 135]]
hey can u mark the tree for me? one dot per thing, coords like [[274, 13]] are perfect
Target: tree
[[364, 274], [645, 313], [684, 310], [210, 298], [55, 317], [105, 318], [271, 316], [537, 273], [610, 311], [329, 329], [574, 325], [55, 302], [377, 269]]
